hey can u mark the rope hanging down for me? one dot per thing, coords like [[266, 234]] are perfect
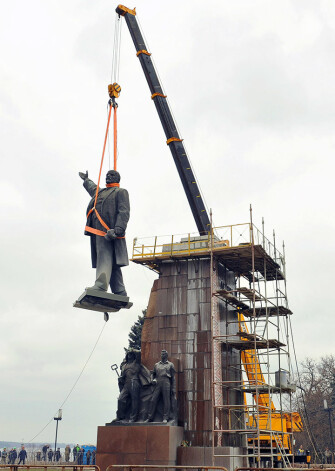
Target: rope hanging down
[[74, 385]]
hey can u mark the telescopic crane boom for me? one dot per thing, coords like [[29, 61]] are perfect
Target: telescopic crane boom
[[173, 139]]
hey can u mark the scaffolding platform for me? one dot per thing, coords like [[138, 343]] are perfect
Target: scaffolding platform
[[249, 294], [101, 301], [251, 343], [266, 389], [231, 299], [269, 311]]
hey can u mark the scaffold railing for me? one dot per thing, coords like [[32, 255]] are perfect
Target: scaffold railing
[[224, 238]]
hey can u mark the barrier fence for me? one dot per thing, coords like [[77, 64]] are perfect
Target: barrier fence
[[128, 467], [35, 457], [319, 468], [45, 467]]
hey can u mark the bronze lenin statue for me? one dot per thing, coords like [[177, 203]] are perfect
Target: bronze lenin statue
[[108, 246]]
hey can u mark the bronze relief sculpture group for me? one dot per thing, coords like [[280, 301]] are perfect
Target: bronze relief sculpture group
[[146, 396]]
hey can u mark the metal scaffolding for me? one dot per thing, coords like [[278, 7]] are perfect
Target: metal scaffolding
[[256, 411]]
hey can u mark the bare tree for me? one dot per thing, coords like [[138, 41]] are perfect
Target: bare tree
[[317, 383]]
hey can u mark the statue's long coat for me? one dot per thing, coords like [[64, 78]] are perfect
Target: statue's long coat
[[113, 207]]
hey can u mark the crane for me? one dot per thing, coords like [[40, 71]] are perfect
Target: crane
[[173, 139]]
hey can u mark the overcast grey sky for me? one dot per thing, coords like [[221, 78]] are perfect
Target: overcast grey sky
[[251, 85]]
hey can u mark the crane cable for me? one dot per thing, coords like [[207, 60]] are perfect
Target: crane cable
[[116, 50], [115, 79]]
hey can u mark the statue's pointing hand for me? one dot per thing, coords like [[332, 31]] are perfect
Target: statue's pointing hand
[[83, 175]]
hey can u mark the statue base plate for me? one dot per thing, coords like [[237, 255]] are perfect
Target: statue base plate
[[101, 301]]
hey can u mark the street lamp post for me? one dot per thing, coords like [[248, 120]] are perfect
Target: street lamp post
[[58, 418]]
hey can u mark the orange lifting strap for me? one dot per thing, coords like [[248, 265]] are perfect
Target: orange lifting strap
[[102, 222]]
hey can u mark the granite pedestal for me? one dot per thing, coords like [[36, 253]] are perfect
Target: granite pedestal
[[138, 444]]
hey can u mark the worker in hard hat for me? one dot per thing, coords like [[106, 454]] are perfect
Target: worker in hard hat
[[301, 451], [107, 219]]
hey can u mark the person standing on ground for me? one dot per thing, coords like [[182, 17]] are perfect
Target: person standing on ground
[[67, 453], [74, 451], [81, 456], [44, 452], [50, 455], [88, 457], [328, 456], [57, 454], [4, 455], [301, 451], [22, 455], [14, 456], [93, 457], [78, 452]]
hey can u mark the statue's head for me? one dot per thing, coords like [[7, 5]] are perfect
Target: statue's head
[[164, 355], [133, 355], [113, 176]]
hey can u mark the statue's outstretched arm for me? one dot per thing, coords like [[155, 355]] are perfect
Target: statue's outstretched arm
[[90, 187]]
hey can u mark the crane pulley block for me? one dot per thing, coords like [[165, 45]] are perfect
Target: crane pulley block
[[114, 90]]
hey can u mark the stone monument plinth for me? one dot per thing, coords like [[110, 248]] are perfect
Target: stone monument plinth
[[138, 444]]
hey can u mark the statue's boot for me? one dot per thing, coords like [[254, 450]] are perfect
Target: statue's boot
[[100, 283], [147, 420], [122, 293]]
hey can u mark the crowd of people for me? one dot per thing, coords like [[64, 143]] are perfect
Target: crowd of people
[[76, 455], [10, 457]]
